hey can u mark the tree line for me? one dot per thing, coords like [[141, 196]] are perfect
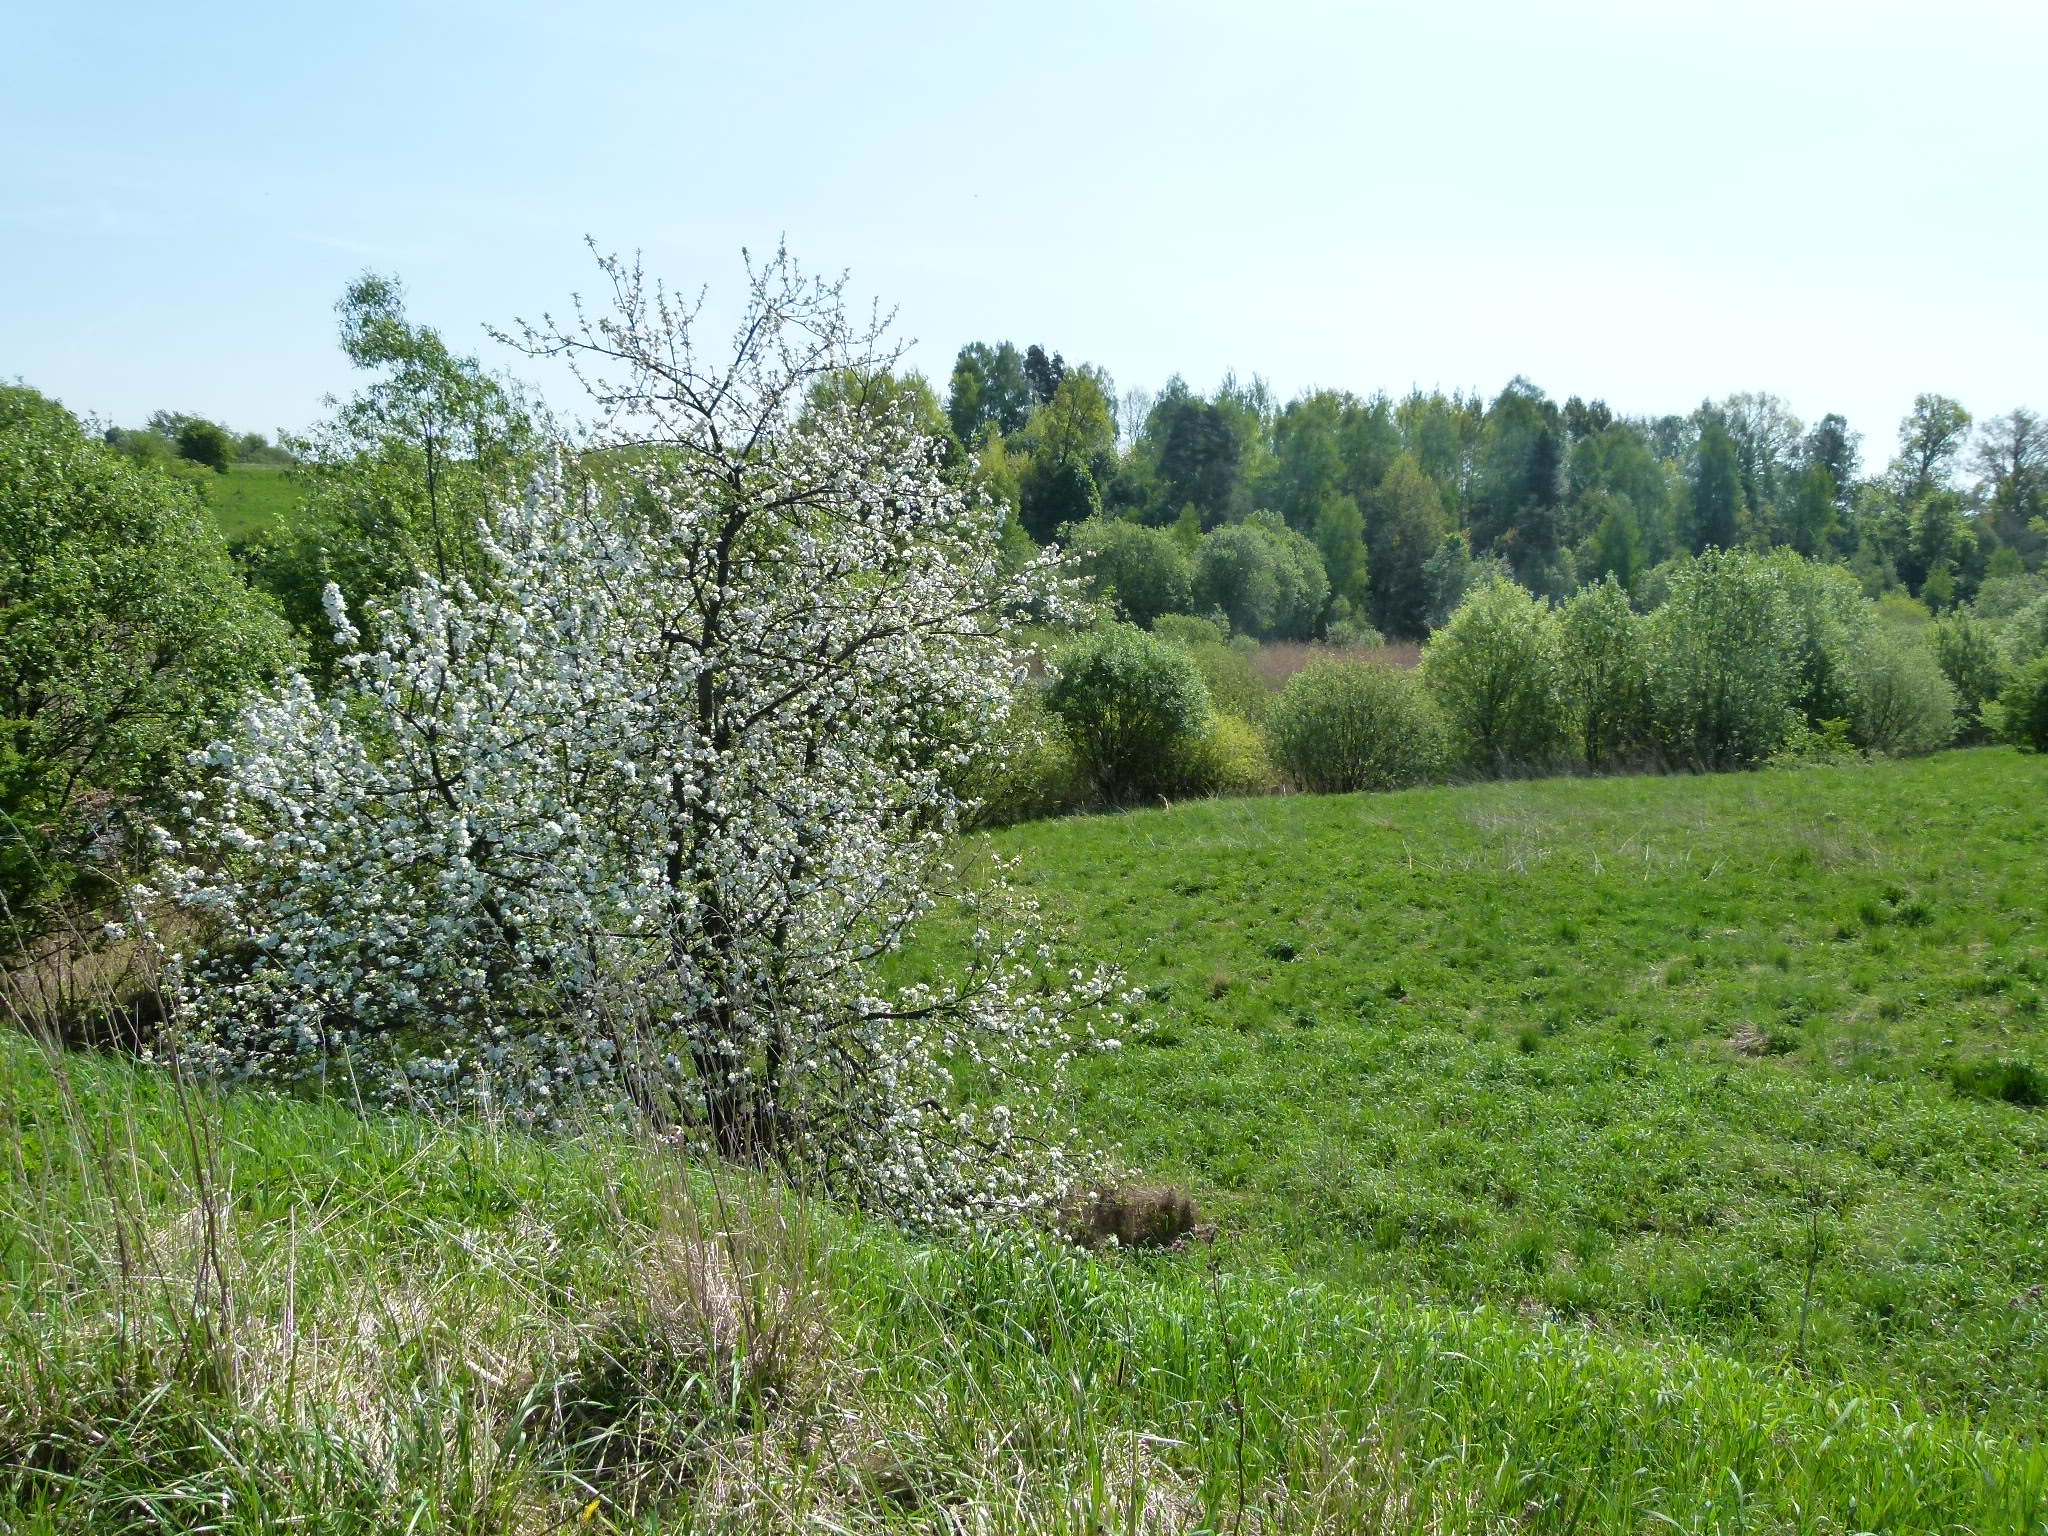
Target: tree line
[[1407, 503]]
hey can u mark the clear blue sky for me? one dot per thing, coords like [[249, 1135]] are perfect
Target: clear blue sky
[[1841, 203]]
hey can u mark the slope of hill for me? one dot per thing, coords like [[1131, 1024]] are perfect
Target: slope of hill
[[246, 1314]]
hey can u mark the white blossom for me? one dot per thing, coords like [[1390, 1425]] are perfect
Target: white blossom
[[642, 819]]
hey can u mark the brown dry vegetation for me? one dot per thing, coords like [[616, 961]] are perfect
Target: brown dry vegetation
[[1275, 664]]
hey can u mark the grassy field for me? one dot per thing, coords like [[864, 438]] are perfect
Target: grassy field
[[249, 1315], [1624, 1155], [1750, 1060], [252, 499]]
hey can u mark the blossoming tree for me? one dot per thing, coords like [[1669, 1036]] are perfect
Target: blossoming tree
[[642, 821]]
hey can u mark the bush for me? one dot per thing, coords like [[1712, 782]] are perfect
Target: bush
[[2024, 634], [1969, 658], [2000, 597], [126, 638], [2022, 711], [1235, 686], [1345, 725], [1724, 678], [1230, 758], [1904, 705], [1353, 634], [1497, 672], [1135, 707], [1190, 630], [205, 442], [1027, 769], [636, 821], [1143, 571], [1830, 622], [1264, 576], [1606, 674]]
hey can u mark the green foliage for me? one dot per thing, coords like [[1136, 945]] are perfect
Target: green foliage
[[1340, 726], [205, 442], [1264, 576], [2000, 597], [1497, 671], [2025, 634], [1406, 526], [1826, 744], [1351, 633], [1968, 653], [1830, 623], [126, 638], [1931, 439], [1617, 548], [2022, 717], [1606, 664], [1229, 758], [1904, 703], [1192, 631], [988, 389], [1134, 707], [1026, 768], [1340, 539], [406, 475], [1196, 457], [1067, 449], [1142, 571], [255, 448], [1813, 520], [1716, 509], [1518, 500], [1235, 687], [1724, 675]]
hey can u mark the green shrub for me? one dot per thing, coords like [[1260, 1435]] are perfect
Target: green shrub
[[1134, 706], [126, 638], [1354, 634], [2021, 714], [1606, 674], [1829, 623], [1825, 744], [1344, 725], [1497, 672], [2002, 596], [1190, 630], [1142, 571], [1026, 768], [1724, 672], [1968, 653], [1235, 687], [205, 442], [1264, 576], [2024, 634], [1230, 758], [1904, 705]]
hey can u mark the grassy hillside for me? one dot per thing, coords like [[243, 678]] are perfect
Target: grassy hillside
[[246, 1314], [1753, 1060], [253, 499]]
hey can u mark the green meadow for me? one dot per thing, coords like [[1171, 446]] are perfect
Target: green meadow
[[1754, 1061], [251, 500]]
